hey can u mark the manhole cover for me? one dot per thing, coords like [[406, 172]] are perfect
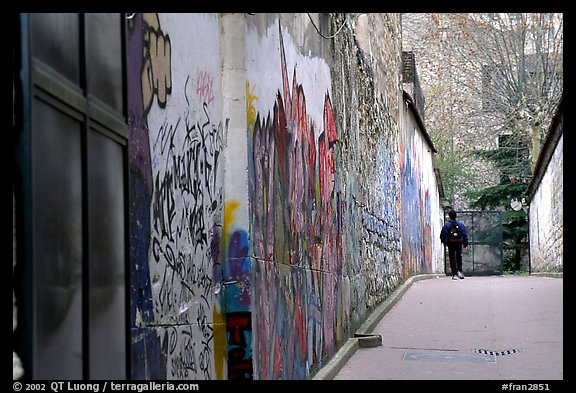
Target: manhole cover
[[450, 357]]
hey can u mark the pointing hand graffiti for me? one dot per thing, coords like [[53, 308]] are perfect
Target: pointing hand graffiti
[[156, 68]]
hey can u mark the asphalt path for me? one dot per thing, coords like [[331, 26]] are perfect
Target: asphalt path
[[478, 328]]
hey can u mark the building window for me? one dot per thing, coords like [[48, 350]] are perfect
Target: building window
[[72, 154]]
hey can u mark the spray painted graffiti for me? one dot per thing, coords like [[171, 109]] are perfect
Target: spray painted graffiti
[[296, 224], [145, 343], [156, 68], [184, 213], [239, 330], [236, 271], [416, 214], [177, 208]]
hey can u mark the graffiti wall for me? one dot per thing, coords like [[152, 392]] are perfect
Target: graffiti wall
[[324, 193], [296, 211], [176, 195], [366, 102], [262, 266], [236, 270], [421, 213]]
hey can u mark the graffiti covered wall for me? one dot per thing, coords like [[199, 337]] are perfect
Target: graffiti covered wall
[[270, 189], [296, 213], [421, 212], [261, 261], [176, 194], [324, 192], [366, 101]]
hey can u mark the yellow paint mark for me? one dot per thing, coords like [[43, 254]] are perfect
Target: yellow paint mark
[[229, 217], [220, 346], [250, 109]]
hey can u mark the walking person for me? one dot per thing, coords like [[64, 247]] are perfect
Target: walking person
[[455, 236]]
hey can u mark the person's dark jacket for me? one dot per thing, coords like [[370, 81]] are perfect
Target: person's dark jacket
[[444, 232]]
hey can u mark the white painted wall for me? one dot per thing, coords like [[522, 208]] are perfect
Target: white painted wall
[[187, 203], [547, 217], [264, 72]]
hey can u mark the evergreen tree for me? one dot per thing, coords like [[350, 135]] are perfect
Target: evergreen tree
[[511, 158]]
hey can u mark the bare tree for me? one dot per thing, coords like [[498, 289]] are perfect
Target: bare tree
[[520, 56], [487, 78]]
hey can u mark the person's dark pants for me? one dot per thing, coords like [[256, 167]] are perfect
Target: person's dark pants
[[455, 255]]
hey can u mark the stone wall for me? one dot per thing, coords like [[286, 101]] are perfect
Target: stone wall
[[546, 193]]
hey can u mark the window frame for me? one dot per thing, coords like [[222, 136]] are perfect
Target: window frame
[[35, 81]]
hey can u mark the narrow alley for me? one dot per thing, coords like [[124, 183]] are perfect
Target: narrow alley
[[236, 196], [480, 328]]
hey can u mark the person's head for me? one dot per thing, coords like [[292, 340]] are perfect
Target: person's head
[[452, 214]]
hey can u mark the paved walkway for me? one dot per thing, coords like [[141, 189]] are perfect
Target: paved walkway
[[479, 328]]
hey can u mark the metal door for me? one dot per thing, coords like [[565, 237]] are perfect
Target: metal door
[[484, 253]]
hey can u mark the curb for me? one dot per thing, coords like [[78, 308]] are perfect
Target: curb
[[352, 344], [335, 364], [548, 274]]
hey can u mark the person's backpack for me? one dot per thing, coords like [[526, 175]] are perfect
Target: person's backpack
[[454, 234]]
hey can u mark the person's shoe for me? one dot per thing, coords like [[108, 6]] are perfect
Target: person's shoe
[[460, 275], [454, 278]]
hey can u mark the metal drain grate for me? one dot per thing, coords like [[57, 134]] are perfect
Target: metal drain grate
[[497, 353]]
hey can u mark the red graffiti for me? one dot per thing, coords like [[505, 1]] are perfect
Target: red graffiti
[[297, 222], [204, 88], [239, 331]]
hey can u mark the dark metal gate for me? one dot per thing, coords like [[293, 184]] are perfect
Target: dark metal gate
[[484, 254]]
